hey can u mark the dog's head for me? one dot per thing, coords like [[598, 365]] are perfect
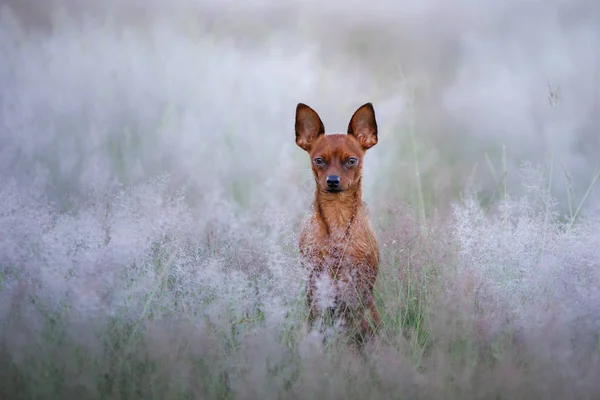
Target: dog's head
[[336, 159]]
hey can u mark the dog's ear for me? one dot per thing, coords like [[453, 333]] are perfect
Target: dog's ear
[[308, 126], [364, 126]]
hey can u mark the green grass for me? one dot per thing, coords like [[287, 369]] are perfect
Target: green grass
[[167, 351], [204, 300], [170, 342]]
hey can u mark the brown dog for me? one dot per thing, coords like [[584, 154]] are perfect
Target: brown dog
[[337, 242]]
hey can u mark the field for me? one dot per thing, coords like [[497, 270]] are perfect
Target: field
[[151, 195]]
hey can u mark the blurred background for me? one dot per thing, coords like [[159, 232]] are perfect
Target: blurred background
[[96, 95]]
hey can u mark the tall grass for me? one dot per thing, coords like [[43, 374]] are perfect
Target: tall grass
[[150, 201], [167, 307]]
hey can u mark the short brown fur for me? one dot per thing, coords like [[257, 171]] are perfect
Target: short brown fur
[[337, 242]]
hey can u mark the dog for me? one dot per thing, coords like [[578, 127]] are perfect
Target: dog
[[337, 243]]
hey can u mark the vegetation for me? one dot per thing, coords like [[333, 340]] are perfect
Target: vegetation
[[150, 200]]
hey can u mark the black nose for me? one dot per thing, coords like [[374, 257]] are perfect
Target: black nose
[[333, 181]]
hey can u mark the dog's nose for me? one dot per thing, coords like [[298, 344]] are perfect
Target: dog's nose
[[333, 181]]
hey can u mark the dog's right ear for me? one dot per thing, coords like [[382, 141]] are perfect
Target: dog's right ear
[[308, 126]]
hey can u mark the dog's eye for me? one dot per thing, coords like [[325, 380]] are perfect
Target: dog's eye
[[352, 161], [319, 161]]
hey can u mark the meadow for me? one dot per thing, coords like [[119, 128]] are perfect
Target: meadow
[[151, 195]]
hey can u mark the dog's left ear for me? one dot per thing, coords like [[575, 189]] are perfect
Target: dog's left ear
[[364, 126]]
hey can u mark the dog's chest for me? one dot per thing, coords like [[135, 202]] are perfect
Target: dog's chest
[[339, 250]]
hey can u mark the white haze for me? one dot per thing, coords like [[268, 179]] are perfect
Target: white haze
[[148, 170], [479, 73]]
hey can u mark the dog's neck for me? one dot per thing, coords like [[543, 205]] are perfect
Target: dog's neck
[[337, 211]]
